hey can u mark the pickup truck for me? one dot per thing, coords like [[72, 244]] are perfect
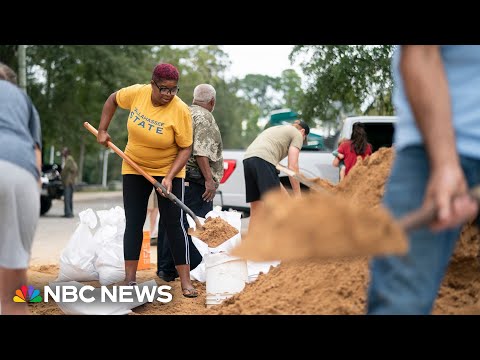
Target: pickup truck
[[231, 192], [52, 186]]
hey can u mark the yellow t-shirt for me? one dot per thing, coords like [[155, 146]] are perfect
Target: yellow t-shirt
[[154, 133]]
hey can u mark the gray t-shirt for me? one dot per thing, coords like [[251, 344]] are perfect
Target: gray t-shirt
[[273, 143], [19, 128]]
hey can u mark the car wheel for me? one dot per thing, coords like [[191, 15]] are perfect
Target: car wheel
[[45, 204]]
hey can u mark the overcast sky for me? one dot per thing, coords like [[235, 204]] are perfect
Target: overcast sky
[[259, 59]]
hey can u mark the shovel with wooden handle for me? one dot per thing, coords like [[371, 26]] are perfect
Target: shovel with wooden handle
[[300, 177], [423, 216], [158, 186]]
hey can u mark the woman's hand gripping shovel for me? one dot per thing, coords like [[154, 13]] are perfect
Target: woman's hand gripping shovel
[[158, 186]]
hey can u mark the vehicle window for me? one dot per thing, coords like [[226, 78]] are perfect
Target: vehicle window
[[379, 135]]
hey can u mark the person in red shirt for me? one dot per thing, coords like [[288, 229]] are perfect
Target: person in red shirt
[[349, 150]]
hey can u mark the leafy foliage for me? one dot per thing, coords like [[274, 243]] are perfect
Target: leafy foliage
[[342, 79]]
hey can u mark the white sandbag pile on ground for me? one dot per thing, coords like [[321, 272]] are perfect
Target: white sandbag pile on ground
[[76, 260], [109, 261], [90, 257]]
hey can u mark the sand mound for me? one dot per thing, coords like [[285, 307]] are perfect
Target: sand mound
[[365, 183], [304, 288], [216, 232], [339, 287]]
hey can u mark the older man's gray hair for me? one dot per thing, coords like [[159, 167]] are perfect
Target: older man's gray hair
[[204, 93]]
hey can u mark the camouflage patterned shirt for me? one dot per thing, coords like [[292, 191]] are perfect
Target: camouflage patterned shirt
[[69, 171], [207, 141]]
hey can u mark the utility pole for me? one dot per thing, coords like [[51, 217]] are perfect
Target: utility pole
[[105, 166], [22, 68]]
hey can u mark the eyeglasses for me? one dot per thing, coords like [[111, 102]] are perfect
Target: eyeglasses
[[165, 90]]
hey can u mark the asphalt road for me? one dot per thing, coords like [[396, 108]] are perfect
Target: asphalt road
[[53, 231]]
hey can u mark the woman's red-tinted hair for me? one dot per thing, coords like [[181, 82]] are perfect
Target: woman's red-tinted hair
[[165, 72]]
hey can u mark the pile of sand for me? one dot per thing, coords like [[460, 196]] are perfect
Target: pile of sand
[[216, 232], [339, 287], [318, 287], [365, 183]]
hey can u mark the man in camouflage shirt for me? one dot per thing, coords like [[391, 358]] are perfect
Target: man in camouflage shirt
[[205, 166], [204, 170]]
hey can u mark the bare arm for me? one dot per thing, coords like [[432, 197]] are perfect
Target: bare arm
[[293, 154], [338, 157], [426, 88], [210, 188], [108, 111], [336, 160], [427, 91]]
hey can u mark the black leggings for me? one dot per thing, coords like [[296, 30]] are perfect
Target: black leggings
[[136, 191]]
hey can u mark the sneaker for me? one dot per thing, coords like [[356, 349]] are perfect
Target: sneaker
[[167, 276]]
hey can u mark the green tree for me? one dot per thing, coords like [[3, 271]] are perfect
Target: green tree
[[260, 90], [345, 79], [8, 55], [290, 85]]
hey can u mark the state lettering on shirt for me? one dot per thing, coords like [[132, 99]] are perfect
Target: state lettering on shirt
[[146, 123]]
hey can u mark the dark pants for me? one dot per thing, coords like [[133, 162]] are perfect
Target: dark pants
[[136, 191], [68, 200], [193, 200]]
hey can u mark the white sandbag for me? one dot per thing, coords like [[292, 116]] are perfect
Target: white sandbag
[[234, 219], [76, 260], [97, 307], [109, 262], [199, 272]]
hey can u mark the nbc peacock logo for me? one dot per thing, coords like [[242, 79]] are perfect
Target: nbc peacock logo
[[29, 294]]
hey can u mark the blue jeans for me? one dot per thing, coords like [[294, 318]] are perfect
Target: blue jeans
[[409, 284]]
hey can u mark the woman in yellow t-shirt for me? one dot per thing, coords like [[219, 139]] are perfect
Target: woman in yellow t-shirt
[[160, 142]]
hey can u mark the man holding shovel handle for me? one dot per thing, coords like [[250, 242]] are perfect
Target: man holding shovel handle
[[437, 141], [262, 156]]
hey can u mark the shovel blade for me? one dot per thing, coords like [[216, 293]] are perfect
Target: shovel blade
[[195, 232]]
